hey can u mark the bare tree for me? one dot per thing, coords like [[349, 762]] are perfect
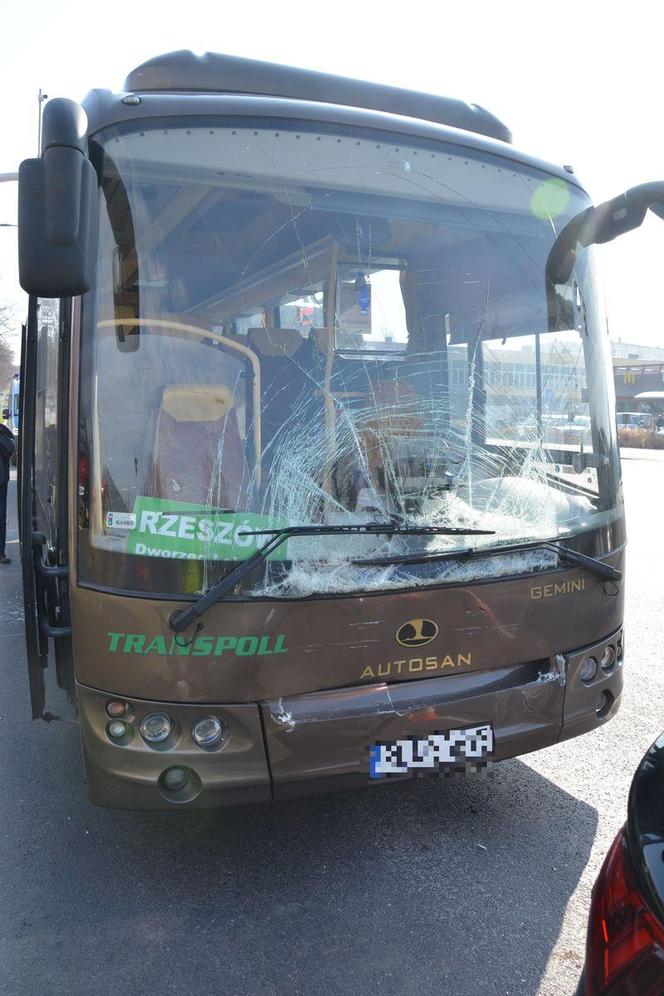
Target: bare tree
[[7, 361]]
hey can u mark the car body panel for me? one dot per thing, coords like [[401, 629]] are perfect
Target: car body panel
[[290, 745], [124, 644]]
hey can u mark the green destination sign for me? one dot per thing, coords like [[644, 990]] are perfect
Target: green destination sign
[[182, 531]]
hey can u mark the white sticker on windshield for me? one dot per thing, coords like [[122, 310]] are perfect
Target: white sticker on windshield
[[120, 520]]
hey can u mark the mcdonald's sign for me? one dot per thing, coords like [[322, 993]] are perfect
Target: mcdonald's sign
[[630, 377]]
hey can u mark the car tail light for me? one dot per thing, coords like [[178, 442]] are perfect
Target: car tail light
[[625, 940]]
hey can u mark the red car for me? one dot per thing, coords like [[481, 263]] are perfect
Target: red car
[[625, 943]]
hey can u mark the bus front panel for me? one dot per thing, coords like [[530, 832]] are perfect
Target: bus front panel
[[347, 343]]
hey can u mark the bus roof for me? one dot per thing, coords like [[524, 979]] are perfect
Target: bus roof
[[184, 71], [183, 84]]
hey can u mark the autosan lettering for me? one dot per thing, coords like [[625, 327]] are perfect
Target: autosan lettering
[[415, 665], [183, 531], [200, 646]]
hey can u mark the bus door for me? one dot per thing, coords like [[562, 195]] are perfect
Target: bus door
[[43, 489]]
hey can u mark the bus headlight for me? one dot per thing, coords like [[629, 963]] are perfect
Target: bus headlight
[[116, 730], [588, 670], [208, 732], [156, 728], [608, 660]]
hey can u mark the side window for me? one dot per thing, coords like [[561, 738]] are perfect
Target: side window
[[371, 313], [302, 312], [48, 321]]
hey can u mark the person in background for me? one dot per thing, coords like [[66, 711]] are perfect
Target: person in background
[[7, 450]]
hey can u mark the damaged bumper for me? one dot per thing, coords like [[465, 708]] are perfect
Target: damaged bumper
[[322, 741]]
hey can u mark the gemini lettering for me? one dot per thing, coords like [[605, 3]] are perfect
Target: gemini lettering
[[553, 590]]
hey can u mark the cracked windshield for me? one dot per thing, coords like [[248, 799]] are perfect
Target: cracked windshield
[[305, 327]]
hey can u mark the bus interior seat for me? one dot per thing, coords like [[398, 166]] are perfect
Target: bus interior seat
[[274, 342], [320, 339], [199, 455], [286, 365]]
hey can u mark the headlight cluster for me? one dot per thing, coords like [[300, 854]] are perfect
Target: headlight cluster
[[159, 730], [601, 663]]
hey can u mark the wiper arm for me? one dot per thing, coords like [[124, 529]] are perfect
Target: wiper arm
[[179, 620], [604, 571], [377, 528]]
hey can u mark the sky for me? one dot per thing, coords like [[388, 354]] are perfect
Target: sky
[[575, 82]]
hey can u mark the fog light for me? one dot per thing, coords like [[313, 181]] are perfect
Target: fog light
[[115, 709], [116, 730], [588, 670], [207, 732], [604, 704], [175, 778], [608, 659], [156, 728]]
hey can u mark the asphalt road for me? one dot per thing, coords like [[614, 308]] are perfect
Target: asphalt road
[[460, 886]]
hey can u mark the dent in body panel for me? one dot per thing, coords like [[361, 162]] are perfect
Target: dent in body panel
[[328, 735], [557, 671]]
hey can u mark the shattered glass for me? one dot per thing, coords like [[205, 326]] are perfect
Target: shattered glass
[[294, 327]]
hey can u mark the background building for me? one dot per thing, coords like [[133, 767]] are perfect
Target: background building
[[638, 375], [631, 351]]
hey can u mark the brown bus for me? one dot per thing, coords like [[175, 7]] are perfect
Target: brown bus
[[301, 507]]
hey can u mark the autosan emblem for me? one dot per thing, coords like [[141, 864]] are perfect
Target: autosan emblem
[[417, 633]]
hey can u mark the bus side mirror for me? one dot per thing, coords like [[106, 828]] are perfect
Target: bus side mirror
[[603, 223], [57, 208]]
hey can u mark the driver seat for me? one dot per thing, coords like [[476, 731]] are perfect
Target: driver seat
[[199, 455]]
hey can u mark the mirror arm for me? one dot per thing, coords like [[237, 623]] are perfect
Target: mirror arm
[[601, 224]]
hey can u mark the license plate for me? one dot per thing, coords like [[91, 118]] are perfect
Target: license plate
[[466, 748]]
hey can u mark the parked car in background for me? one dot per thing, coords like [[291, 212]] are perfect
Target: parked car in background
[[625, 941], [640, 429], [570, 431], [636, 420]]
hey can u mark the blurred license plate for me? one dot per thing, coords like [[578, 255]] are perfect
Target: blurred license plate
[[452, 749]]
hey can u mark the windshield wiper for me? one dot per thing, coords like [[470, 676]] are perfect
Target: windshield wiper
[[604, 571], [179, 620]]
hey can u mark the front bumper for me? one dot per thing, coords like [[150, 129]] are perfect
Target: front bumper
[[320, 741]]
